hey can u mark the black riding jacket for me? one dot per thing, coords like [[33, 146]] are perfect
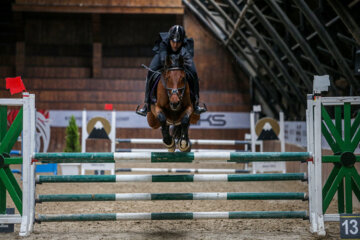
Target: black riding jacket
[[163, 48]]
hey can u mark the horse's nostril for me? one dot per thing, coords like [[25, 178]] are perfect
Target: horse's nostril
[[175, 104]]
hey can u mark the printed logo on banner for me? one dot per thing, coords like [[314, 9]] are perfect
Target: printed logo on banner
[[42, 125], [98, 128], [218, 120]]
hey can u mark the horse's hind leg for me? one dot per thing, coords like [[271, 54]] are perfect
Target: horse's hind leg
[[167, 139], [184, 142]]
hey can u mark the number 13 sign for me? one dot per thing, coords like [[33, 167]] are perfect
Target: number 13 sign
[[349, 226]]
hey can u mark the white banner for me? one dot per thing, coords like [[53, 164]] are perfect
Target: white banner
[[129, 119], [295, 132]]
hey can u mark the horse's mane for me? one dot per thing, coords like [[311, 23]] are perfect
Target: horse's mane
[[174, 61]]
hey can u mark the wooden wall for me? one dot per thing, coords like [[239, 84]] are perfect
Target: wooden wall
[[75, 61]]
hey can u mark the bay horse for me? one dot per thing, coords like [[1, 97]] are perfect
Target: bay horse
[[173, 106]]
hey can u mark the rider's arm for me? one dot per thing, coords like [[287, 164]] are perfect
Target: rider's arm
[[188, 61], [162, 52]]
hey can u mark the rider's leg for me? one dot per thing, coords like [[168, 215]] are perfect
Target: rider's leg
[[195, 88], [143, 111], [154, 65]]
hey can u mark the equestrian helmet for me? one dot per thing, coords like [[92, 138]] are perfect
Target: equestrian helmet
[[177, 33]]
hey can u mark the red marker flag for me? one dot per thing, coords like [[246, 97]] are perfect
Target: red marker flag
[[108, 107], [15, 85]]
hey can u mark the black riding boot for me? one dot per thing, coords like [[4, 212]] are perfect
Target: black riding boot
[[144, 110], [197, 109]]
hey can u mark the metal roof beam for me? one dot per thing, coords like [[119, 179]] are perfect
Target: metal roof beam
[[299, 96], [346, 18], [240, 18], [283, 46], [312, 35], [279, 64], [297, 36], [347, 40], [329, 43], [263, 63], [263, 91]]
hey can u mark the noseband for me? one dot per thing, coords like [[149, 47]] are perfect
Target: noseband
[[172, 91]]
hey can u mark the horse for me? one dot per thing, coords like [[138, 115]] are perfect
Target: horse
[[173, 106]]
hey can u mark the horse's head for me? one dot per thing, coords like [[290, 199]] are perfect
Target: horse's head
[[175, 80]]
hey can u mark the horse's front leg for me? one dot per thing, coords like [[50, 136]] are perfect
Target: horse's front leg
[[167, 139], [184, 143]]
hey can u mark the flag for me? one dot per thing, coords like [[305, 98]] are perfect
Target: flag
[[15, 85], [108, 107]]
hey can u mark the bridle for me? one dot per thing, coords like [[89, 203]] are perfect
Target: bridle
[[172, 91]]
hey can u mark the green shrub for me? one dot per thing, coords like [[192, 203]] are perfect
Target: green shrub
[[72, 137]]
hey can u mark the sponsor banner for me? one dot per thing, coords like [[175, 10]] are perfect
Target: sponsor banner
[[129, 119], [295, 132]]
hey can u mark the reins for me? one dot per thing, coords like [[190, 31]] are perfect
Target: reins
[[170, 91]]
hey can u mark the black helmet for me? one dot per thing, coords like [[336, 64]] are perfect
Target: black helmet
[[177, 33]]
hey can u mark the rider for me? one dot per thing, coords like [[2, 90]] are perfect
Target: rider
[[173, 42]]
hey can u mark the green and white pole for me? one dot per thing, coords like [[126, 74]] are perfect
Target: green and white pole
[[172, 178], [172, 196], [171, 216], [159, 157]]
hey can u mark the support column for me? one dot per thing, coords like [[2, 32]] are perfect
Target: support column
[[20, 44], [97, 46]]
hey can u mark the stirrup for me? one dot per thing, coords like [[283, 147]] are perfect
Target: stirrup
[[199, 110], [143, 111]]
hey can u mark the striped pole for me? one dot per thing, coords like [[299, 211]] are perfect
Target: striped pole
[[158, 157], [172, 178], [171, 216], [193, 141], [172, 196], [182, 170], [165, 150]]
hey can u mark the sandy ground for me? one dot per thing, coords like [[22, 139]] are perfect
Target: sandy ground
[[176, 229]]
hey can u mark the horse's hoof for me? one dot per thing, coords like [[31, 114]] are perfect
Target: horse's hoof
[[171, 147], [185, 146]]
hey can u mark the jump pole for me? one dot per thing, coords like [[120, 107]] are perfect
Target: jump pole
[[193, 141], [172, 178], [182, 170], [158, 157], [172, 196], [172, 216]]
